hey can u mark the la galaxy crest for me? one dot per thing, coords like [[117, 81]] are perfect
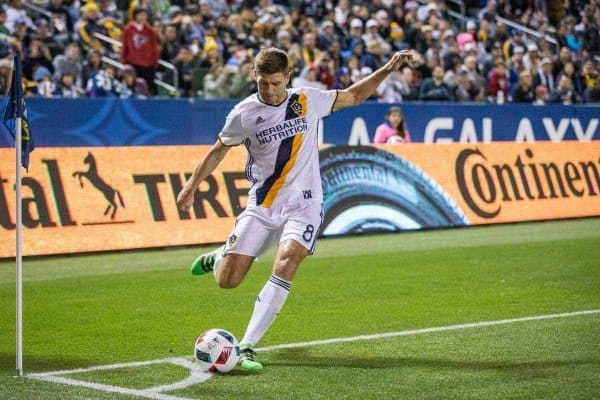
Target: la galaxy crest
[[296, 107], [232, 240]]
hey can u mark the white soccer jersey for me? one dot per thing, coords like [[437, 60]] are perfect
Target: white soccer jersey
[[283, 152]]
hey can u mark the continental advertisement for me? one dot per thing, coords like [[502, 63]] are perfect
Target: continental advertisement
[[112, 198]]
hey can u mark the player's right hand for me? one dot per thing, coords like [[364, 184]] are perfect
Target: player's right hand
[[185, 199]]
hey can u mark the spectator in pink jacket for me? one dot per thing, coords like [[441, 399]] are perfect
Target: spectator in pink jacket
[[393, 130]]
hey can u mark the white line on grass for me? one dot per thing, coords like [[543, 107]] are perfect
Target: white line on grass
[[426, 330], [146, 393], [197, 376]]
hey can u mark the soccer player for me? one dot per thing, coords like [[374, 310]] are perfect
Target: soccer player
[[278, 126]]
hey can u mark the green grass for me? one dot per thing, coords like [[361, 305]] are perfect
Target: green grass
[[121, 307]]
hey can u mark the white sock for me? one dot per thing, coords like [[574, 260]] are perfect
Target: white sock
[[218, 257], [268, 304]]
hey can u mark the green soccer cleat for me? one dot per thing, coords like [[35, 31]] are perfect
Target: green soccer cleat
[[247, 361], [203, 264]]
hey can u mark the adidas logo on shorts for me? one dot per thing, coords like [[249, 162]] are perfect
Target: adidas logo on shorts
[[259, 120]]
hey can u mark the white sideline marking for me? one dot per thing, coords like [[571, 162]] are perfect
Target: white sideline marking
[[197, 376], [426, 330]]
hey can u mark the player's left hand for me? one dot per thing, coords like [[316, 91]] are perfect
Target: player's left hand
[[399, 58]]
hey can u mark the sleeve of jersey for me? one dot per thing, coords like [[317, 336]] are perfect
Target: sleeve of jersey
[[232, 133], [322, 101]]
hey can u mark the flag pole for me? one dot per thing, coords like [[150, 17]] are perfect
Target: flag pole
[[19, 250]]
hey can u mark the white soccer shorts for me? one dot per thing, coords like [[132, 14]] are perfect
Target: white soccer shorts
[[258, 228]]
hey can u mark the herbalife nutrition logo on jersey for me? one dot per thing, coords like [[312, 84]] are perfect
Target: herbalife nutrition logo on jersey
[[283, 130]]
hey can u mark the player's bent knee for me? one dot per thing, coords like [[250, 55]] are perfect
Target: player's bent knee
[[226, 278], [227, 283]]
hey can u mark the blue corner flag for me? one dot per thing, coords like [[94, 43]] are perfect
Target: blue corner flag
[[15, 108]]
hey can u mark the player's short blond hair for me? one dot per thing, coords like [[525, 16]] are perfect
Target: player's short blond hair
[[271, 61]]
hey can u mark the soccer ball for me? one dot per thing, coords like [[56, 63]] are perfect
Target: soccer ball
[[216, 350]]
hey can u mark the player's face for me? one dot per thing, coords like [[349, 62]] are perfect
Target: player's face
[[271, 87]]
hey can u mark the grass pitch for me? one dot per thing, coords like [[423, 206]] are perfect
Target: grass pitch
[[122, 307]]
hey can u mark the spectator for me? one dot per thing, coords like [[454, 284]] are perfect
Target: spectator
[[102, 83], [343, 79], [89, 25], [216, 81], [170, 44], [591, 36], [66, 87], [185, 64], [61, 20], [531, 59], [309, 48], [435, 89], [325, 71], [372, 57], [569, 71], [210, 54], [342, 11], [130, 85], [91, 65], [564, 92], [390, 90], [517, 41], [256, 37], [477, 86], [8, 43], [465, 90], [355, 33], [398, 37], [38, 56], [589, 73], [284, 40], [15, 13], [327, 36], [68, 63], [544, 75], [242, 83], [308, 78], [592, 94], [523, 92], [140, 48], [43, 80], [498, 82], [192, 29], [409, 86], [5, 75], [564, 56], [393, 130], [515, 68], [372, 36]]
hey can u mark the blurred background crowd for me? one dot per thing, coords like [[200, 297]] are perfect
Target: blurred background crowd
[[464, 50]]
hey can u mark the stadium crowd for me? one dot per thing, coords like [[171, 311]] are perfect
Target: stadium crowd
[[332, 44]]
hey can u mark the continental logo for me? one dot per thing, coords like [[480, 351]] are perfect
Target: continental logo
[[487, 187]]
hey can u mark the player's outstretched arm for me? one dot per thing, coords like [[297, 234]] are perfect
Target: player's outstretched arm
[[366, 87], [215, 155]]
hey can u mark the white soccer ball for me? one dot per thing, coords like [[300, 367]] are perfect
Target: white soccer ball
[[216, 350]]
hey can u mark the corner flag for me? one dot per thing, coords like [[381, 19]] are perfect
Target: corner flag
[[15, 108], [15, 120]]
